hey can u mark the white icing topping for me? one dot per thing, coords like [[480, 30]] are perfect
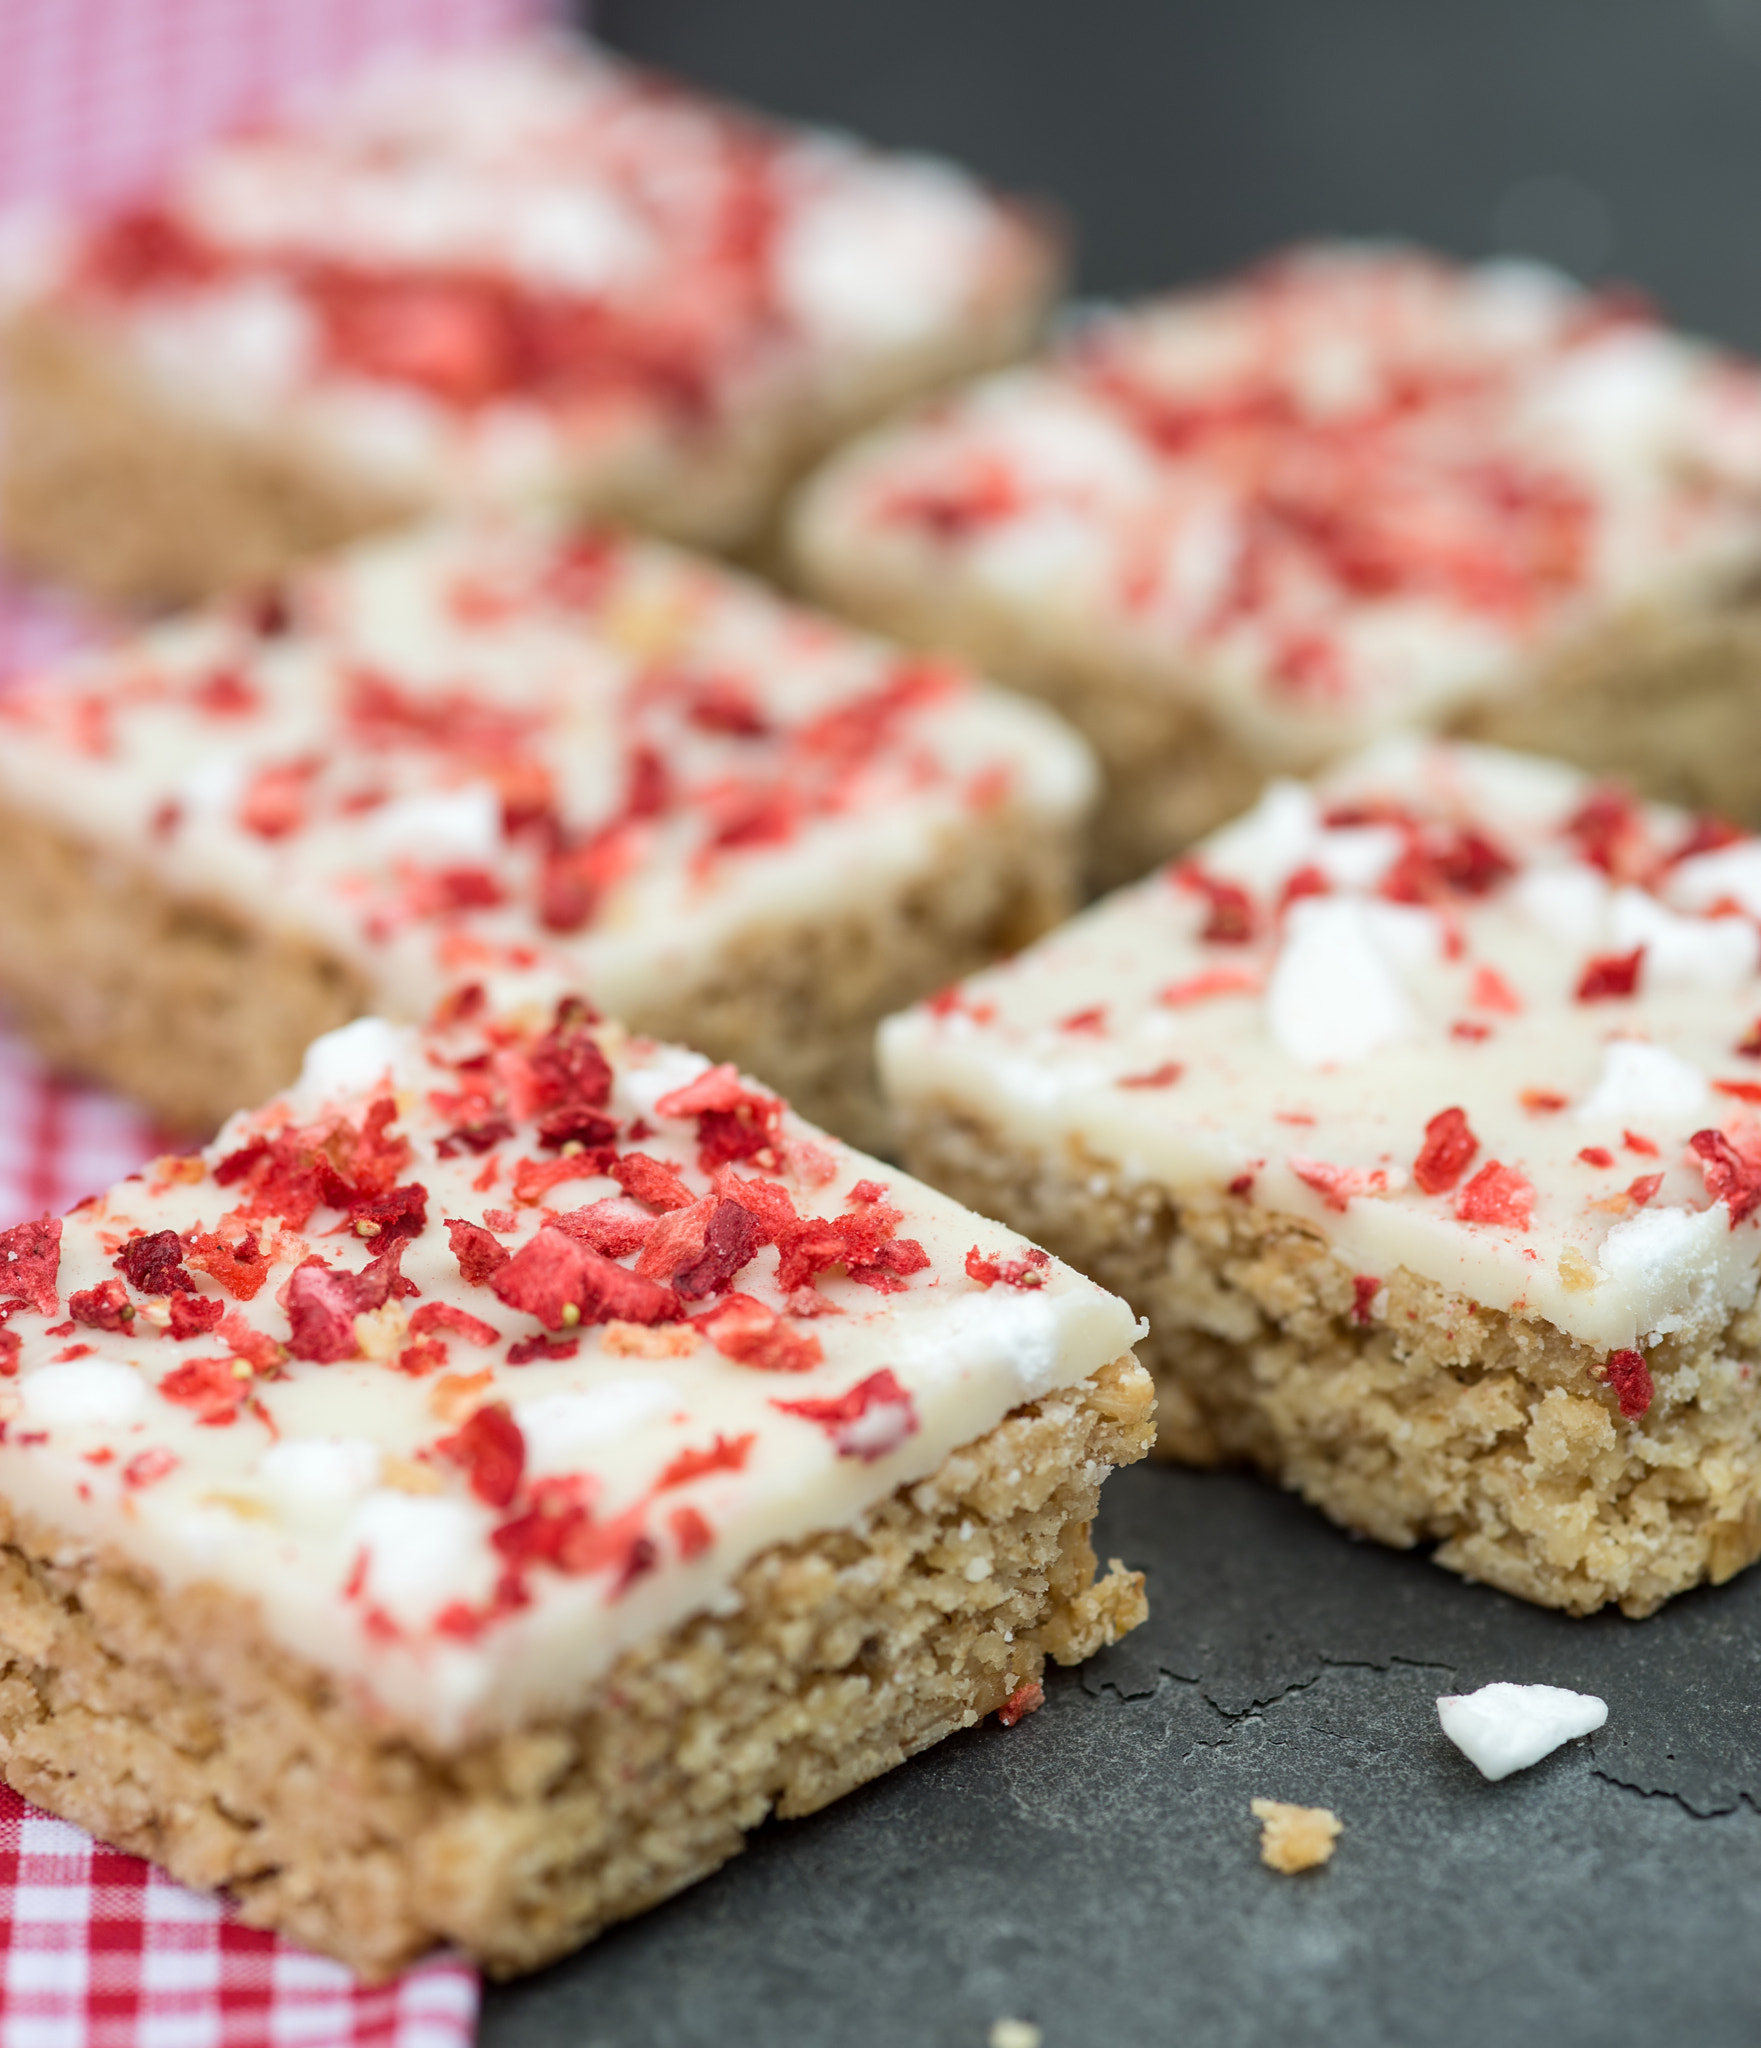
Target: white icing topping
[[1333, 998], [349, 1059], [1642, 1084], [1684, 952], [563, 1428], [1504, 1728], [319, 1477], [84, 1390]]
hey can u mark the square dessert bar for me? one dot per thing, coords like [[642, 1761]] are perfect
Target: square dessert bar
[[464, 1500], [1422, 1117], [447, 753], [1248, 530], [521, 272]]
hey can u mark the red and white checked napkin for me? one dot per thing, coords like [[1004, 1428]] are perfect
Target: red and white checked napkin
[[99, 1949]]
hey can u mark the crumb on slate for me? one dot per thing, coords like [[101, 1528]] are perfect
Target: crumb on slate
[[1015, 2034], [1294, 1838]]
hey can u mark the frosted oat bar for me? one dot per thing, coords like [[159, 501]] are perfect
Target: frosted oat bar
[[522, 272], [1247, 530], [456, 751], [1421, 1114], [464, 1500]]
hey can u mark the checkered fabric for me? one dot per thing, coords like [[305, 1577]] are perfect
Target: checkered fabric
[[99, 1949]]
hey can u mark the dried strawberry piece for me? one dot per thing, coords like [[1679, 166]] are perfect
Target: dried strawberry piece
[[478, 1254], [1337, 1185], [526, 1349], [725, 705], [213, 1387], [715, 1088], [769, 1202], [1608, 830], [1026, 1699], [154, 1264], [105, 1307], [1497, 1194], [726, 1454], [1596, 1155], [1094, 1019], [441, 1315], [871, 1420], [1707, 834], [614, 1226], [675, 1240], [750, 1333], [1440, 862], [1630, 1377], [193, 1315], [1644, 1189], [691, 1532], [322, 1304], [288, 1176], [576, 1126], [1163, 1076], [10, 1346], [1744, 1091], [1030, 1270], [1230, 919], [423, 1356], [376, 1156], [30, 1260], [1364, 1289], [1608, 976], [1643, 1146], [730, 1241], [474, 1138], [256, 1347], [491, 1451], [1447, 1152], [1730, 1176], [806, 1249], [651, 1181], [142, 248], [561, 1282], [1492, 992], [534, 1178], [393, 1217], [240, 1268], [1543, 1101], [568, 1068], [277, 801], [148, 1467], [1749, 1045]]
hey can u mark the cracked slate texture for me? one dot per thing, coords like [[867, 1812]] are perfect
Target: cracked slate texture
[[1096, 1869]]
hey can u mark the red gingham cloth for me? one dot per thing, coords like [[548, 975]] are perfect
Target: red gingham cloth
[[99, 1949]]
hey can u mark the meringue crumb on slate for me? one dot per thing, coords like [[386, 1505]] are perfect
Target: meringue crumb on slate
[[1294, 1838], [1015, 2034], [1504, 1728]]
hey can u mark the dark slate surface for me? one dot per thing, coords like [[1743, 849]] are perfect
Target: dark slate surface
[[1096, 1869]]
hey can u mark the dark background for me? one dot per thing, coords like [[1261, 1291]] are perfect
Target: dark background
[[1619, 138]]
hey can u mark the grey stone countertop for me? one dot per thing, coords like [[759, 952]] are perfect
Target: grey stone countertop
[[1095, 1870]]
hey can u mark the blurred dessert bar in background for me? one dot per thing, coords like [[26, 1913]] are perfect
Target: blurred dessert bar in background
[[491, 744], [1422, 1116], [423, 1569], [1246, 530], [525, 273]]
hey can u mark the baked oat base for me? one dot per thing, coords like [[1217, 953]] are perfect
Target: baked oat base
[[193, 1013], [1436, 1420], [170, 1727]]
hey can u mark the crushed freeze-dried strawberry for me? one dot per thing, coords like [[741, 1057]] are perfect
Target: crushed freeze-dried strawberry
[[1163, 1076], [475, 1138], [73, 1351], [534, 1178], [1635, 1142], [1229, 917], [1608, 830], [1337, 1185], [256, 1347], [1306, 881], [750, 1333], [726, 1454], [1749, 1045], [104, 1307], [478, 1254], [675, 1240], [491, 1452], [1094, 1019], [1642, 1190], [769, 1202], [613, 1226], [322, 1304], [574, 1126], [193, 1315], [1468, 1032], [389, 1218], [1497, 1194], [1630, 1377], [730, 1241], [1744, 1091], [873, 1419], [1492, 992], [10, 1346], [806, 1249], [441, 1315], [1214, 982], [504, 1220], [1596, 1155], [1731, 1176], [651, 1181], [691, 1532], [1609, 976], [423, 1356], [1030, 1270], [30, 1260], [1026, 1699], [526, 1349], [1543, 1101], [240, 1267], [277, 800], [1441, 862], [1364, 1289], [147, 1468], [215, 1388], [1447, 1152], [154, 1264], [1242, 1185], [562, 1283]]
